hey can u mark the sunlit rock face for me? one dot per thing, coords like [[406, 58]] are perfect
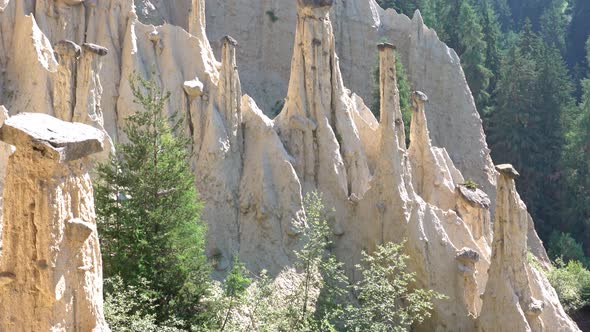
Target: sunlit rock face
[[50, 263], [516, 292], [266, 30], [252, 171]]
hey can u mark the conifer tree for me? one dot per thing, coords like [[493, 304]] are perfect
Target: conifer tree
[[492, 35], [555, 103], [576, 161], [504, 13], [149, 213], [578, 33], [472, 50], [553, 25], [509, 124], [406, 7], [533, 96]]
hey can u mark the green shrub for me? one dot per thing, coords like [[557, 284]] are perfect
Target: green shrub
[[386, 300], [470, 184], [271, 15], [383, 300], [572, 284], [277, 108], [235, 289], [564, 246], [129, 308]]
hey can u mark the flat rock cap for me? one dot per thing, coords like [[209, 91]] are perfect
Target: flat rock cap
[[419, 95], [475, 197], [229, 40], [53, 138], [67, 48], [193, 88], [315, 3], [467, 255], [508, 170], [73, 2], [96, 49], [385, 46]]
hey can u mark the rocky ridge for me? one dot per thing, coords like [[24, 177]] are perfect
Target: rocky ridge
[[253, 171]]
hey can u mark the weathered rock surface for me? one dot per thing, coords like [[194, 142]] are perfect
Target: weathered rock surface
[[251, 171], [434, 174], [516, 292], [270, 193], [50, 264], [5, 151], [393, 211], [53, 139], [316, 123], [359, 25]]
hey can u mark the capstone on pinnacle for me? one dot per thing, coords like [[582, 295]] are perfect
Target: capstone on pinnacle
[[52, 138], [67, 48], [383, 46], [315, 3], [230, 40], [508, 170], [96, 49]]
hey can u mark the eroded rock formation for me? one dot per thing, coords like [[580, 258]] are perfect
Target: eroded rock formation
[[50, 264], [359, 25], [514, 289], [251, 171], [316, 123], [5, 152]]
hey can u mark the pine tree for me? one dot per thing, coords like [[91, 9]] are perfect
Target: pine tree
[[492, 36], [576, 214], [527, 9], [504, 14], [429, 13], [509, 124], [576, 162], [149, 213], [554, 102], [578, 34], [449, 24], [553, 25], [530, 43], [406, 7], [533, 96], [472, 50]]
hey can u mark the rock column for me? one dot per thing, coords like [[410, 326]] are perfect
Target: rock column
[[434, 174], [219, 164], [64, 92], [230, 93], [316, 123], [390, 166], [5, 152], [391, 114], [50, 268], [421, 147], [196, 23], [89, 89], [466, 259], [508, 304]]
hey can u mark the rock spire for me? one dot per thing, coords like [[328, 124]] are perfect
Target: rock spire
[[50, 267], [516, 293]]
